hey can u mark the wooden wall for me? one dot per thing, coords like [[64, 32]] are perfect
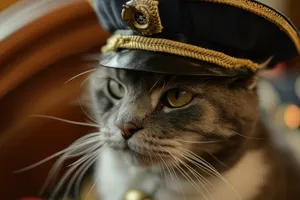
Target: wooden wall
[[6, 3], [36, 60]]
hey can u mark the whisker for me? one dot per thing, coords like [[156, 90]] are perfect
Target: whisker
[[67, 121], [197, 175], [147, 148], [165, 165], [177, 159], [93, 120], [203, 166], [90, 191], [62, 181], [200, 160], [80, 177], [163, 87], [85, 80], [49, 158], [52, 175], [209, 169], [165, 174], [197, 142], [154, 85], [70, 154], [189, 168], [170, 164], [83, 168], [64, 178], [219, 161], [162, 171], [78, 75], [184, 174], [91, 57], [249, 137], [150, 156], [91, 149]]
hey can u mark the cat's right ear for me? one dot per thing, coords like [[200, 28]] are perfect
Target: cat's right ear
[[250, 82], [264, 65]]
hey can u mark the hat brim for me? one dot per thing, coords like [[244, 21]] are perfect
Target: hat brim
[[165, 63]]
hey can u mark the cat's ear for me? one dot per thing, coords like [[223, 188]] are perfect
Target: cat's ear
[[264, 65], [250, 82]]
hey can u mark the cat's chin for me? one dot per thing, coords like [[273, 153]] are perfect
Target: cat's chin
[[137, 158]]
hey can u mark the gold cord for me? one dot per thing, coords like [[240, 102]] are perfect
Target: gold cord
[[177, 48]]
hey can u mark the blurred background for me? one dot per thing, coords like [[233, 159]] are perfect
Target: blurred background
[[43, 44]]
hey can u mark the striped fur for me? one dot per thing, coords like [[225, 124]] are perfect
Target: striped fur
[[224, 112]]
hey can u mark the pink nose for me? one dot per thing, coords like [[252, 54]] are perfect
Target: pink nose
[[128, 129]]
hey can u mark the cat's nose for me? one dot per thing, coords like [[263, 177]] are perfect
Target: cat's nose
[[128, 129]]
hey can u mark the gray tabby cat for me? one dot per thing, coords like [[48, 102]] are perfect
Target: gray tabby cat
[[187, 137]]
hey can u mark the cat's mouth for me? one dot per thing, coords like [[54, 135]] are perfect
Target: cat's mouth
[[138, 156]]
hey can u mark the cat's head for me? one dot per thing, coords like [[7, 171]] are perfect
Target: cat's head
[[149, 116]]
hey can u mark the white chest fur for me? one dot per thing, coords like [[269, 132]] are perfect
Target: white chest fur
[[114, 177]]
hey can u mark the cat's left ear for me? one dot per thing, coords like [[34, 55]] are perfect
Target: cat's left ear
[[250, 82]]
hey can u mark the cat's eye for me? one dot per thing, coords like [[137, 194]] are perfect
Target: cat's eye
[[115, 89], [177, 98]]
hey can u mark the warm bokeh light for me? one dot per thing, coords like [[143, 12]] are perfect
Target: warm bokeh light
[[292, 117]]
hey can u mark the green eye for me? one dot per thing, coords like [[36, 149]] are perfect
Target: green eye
[[115, 89], [177, 98]]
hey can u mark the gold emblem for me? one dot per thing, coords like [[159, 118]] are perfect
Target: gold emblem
[[142, 16], [136, 195]]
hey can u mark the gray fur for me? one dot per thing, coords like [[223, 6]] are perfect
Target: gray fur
[[223, 110]]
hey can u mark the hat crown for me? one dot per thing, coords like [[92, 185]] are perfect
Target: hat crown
[[244, 29]]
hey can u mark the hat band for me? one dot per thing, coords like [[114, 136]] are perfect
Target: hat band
[[118, 41]]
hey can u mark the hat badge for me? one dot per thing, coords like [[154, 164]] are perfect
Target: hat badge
[[142, 16]]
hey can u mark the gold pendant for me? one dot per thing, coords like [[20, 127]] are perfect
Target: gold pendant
[[136, 195], [142, 16]]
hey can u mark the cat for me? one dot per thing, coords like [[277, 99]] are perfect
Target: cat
[[178, 137], [186, 137]]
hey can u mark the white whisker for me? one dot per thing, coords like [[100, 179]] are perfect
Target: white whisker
[[90, 150], [165, 165], [85, 80], [90, 191], [156, 82], [93, 120], [219, 161], [67, 121], [62, 181], [50, 158], [177, 180], [184, 174], [197, 142], [81, 175], [147, 148], [249, 137], [89, 160], [191, 180], [165, 174], [75, 147], [207, 167], [198, 176], [78, 75], [58, 164]]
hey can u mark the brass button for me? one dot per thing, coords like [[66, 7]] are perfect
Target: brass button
[[136, 195], [142, 16], [141, 19]]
